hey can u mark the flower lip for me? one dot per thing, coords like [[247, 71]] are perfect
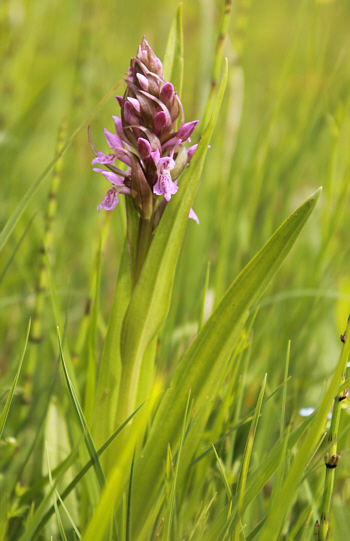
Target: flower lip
[[110, 200]]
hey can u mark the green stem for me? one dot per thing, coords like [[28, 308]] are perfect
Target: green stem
[[332, 458], [143, 243]]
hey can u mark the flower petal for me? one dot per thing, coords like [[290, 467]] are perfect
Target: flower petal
[[166, 186], [193, 216], [110, 200], [111, 177], [113, 141], [155, 155], [186, 130]]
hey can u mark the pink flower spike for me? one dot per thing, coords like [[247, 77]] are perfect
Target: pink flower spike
[[186, 130], [193, 216], [110, 200], [111, 177], [144, 148], [113, 141], [104, 158]]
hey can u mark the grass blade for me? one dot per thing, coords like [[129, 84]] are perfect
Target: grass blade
[[5, 411], [173, 59], [79, 412], [216, 341]]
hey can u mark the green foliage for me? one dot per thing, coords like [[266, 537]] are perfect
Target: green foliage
[[147, 420]]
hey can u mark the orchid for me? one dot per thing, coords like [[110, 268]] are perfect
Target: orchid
[[147, 140]]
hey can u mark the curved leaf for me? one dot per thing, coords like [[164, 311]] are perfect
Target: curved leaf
[[206, 360]]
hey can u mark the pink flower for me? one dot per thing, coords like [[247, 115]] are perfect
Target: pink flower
[[146, 139], [164, 184], [110, 200]]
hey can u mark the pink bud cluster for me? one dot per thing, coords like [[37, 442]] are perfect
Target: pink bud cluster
[[146, 139]]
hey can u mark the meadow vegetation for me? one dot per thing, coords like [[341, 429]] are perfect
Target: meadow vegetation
[[224, 353]]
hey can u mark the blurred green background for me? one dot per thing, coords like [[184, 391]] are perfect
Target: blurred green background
[[284, 131]]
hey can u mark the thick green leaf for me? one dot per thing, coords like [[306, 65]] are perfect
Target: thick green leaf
[[110, 369], [150, 301], [173, 59], [206, 360], [115, 483], [5, 411]]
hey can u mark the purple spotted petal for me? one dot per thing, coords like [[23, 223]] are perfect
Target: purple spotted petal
[[119, 100], [193, 216], [166, 186], [111, 177], [110, 200]]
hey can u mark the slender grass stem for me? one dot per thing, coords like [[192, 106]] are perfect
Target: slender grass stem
[[333, 456]]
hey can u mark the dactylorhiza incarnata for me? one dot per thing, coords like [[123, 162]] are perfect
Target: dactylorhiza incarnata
[[146, 140]]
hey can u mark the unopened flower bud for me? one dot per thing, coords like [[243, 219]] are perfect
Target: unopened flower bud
[[186, 130], [143, 81], [135, 103], [144, 148], [167, 94], [129, 114], [160, 121]]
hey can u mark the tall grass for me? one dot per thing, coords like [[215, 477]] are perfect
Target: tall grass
[[218, 448]]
